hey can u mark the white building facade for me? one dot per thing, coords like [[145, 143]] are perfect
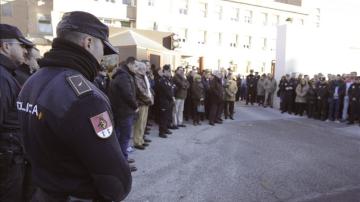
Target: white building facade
[[214, 34]]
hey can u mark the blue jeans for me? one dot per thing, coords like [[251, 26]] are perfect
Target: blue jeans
[[123, 131], [334, 108]]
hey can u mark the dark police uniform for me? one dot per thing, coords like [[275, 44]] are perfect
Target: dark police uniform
[[251, 89], [11, 146], [289, 94], [354, 99], [165, 95], [322, 93], [68, 124], [13, 167]]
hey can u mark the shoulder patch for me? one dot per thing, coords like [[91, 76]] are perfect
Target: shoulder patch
[[102, 125], [78, 84]]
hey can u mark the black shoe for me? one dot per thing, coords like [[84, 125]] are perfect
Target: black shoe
[[219, 122], [163, 135], [147, 140], [211, 124], [350, 122], [198, 123], [168, 132], [225, 117], [146, 133], [173, 127], [232, 118], [133, 169], [145, 144], [147, 129], [181, 125], [131, 161], [141, 147]]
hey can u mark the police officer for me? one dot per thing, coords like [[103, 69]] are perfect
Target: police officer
[[30, 65], [67, 122], [12, 165], [322, 93], [102, 80], [251, 82], [354, 97], [166, 100], [288, 87]]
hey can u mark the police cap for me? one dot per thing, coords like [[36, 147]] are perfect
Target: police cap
[[86, 23], [11, 32]]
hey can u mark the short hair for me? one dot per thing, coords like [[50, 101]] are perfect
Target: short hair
[[72, 36], [130, 60]]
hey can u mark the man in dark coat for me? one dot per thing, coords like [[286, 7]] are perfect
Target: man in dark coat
[[322, 93], [166, 100], [354, 97], [123, 103], [216, 97], [251, 82], [12, 163], [67, 122]]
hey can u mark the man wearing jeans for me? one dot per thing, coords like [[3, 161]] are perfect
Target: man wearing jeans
[[336, 92], [122, 96], [181, 89], [345, 112]]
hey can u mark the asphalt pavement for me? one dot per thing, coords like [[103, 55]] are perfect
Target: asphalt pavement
[[261, 156]]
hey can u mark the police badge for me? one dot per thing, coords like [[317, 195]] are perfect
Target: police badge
[[102, 125]]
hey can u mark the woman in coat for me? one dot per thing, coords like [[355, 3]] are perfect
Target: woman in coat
[[301, 95], [230, 95]]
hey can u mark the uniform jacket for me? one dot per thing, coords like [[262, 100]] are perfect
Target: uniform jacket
[[311, 95], [322, 91], [68, 128], [216, 91], [143, 96], [182, 85], [354, 93], [289, 87], [251, 81], [270, 85], [9, 90], [301, 93], [22, 73], [122, 94], [230, 90], [165, 93], [261, 87]]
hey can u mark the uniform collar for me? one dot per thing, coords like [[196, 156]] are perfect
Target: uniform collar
[[7, 63]]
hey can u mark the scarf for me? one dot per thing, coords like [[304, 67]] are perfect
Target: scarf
[[67, 54]]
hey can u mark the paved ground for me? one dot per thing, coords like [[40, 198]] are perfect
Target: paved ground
[[262, 156]]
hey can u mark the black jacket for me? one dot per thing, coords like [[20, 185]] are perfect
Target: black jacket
[[9, 90], [341, 89], [165, 93], [122, 94], [216, 91]]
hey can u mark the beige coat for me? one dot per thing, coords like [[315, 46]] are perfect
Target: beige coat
[[301, 93], [230, 90]]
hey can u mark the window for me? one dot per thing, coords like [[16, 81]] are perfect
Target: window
[[219, 12], [201, 37], [264, 18], [275, 20], [248, 16], [183, 8], [6, 9], [151, 2], [246, 42], [203, 9], [234, 40], [219, 38], [129, 2], [264, 43], [235, 15], [44, 23]]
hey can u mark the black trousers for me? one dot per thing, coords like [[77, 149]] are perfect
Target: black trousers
[[215, 110], [322, 109], [311, 109], [251, 96], [354, 111], [229, 108], [13, 186], [288, 103], [164, 120], [300, 108]]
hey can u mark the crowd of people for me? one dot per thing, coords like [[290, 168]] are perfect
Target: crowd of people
[[66, 127], [336, 98]]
